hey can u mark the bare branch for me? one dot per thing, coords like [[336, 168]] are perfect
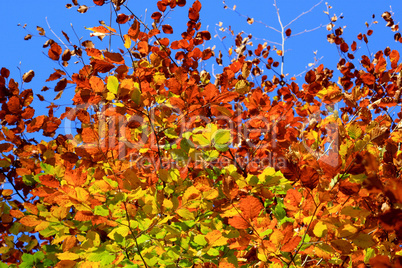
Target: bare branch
[[302, 14]]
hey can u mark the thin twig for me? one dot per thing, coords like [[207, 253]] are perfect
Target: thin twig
[[50, 28]]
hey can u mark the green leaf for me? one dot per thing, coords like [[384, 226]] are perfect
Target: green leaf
[[200, 240], [101, 211], [112, 84], [136, 96]]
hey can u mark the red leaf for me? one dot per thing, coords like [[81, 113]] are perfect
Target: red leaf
[[4, 72], [354, 46], [54, 76], [344, 47], [83, 216], [288, 32], [156, 16], [167, 29], [368, 78], [99, 2], [36, 124], [54, 51]]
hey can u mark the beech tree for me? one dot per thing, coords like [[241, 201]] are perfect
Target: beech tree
[[169, 165]]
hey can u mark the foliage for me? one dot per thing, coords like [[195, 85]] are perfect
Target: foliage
[[170, 167]]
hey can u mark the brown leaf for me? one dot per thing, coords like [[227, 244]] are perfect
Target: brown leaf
[[122, 18], [310, 77], [40, 30], [114, 57], [309, 177], [61, 85], [101, 66], [82, 9], [27, 77], [66, 55], [70, 157]]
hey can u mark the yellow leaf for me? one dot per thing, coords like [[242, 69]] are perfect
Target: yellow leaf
[[82, 194], [127, 41], [191, 193], [167, 204], [320, 229], [159, 78], [67, 256], [41, 226]]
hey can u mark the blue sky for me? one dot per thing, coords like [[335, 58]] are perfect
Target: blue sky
[[299, 49]]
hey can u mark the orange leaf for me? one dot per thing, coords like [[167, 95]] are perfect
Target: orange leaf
[[88, 135], [239, 223], [251, 207], [134, 30], [30, 221], [31, 208], [55, 51], [97, 84], [69, 243], [49, 181], [83, 216], [13, 105], [16, 214]]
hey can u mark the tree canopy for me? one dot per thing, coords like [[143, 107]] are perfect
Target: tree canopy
[[170, 164]]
